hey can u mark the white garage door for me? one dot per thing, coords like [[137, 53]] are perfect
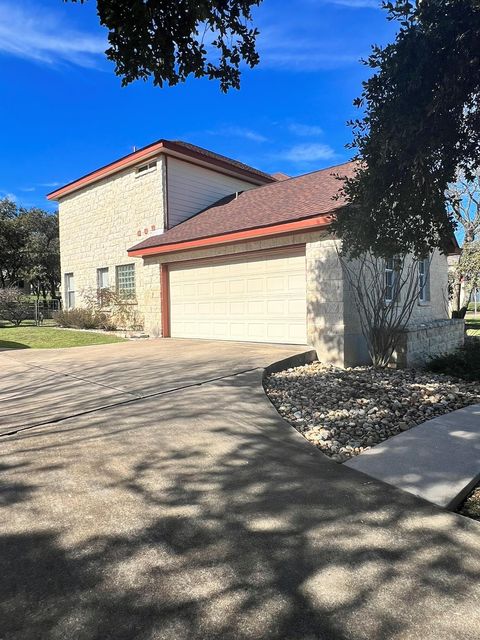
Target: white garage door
[[258, 299]]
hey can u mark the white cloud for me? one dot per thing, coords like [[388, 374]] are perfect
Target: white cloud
[[305, 130], [305, 153], [289, 50], [27, 189], [49, 184], [38, 35], [239, 132]]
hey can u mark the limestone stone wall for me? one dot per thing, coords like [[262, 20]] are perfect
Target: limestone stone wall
[[100, 222], [422, 341], [437, 307], [325, 301]]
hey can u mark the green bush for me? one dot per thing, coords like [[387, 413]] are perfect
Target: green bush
[[462, 363], [79, 319]]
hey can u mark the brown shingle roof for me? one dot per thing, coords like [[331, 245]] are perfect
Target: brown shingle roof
[[285, 201], [212, 155]]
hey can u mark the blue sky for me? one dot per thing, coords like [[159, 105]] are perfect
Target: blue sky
[[64, 113]]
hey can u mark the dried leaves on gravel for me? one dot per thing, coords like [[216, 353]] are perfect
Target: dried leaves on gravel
[[346, 411]]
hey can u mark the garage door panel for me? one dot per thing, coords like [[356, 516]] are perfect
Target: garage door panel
[[237, 286], [276, 308], [220, 287], [255, 285], [220, 309], [250, 298], [257, 307], [237, 308]]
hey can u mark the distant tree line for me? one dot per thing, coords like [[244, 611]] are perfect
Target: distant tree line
[[29, 249]]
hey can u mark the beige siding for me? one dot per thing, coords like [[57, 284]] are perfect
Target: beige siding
[[192, 188], [100, 222]]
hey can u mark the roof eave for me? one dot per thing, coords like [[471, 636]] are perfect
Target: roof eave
[[309, 224], [152, 150]]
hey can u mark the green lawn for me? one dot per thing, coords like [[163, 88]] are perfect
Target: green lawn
[[31, 337], [473, 325]]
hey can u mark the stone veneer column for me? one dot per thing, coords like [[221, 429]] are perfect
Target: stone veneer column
[[325, 302], [151, 303]]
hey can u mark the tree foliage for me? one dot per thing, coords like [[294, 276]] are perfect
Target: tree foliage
[[421, 125], [466, 277], [41, 252], [463, 201], [168, 40], [29, 248], [12, 241]]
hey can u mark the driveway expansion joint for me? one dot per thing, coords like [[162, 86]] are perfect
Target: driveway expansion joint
[[136, 398], [74, 377]]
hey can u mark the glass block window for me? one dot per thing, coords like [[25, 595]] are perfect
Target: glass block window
[[125, 280]]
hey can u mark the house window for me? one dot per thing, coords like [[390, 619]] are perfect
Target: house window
[[146, 168], [125, 280], [69, 291], [102, 278], [424, 280], [102, 286], [391, 279]]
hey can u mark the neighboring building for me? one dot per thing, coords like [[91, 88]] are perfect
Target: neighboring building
[[208, 247]]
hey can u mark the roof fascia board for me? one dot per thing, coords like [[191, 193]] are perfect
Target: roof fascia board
[[271, 231]]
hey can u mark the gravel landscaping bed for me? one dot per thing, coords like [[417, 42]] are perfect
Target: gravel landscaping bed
[[471, 506], [346, 411]]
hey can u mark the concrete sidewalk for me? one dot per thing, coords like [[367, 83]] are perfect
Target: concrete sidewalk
[[438, 460], [202, 515]]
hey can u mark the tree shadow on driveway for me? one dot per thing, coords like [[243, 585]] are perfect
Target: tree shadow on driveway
[[203, 516]]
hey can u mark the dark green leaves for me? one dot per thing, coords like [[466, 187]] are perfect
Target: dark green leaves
[[421, 125], [169, 40]]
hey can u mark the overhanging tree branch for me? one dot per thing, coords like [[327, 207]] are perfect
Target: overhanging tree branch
[[169, 40]]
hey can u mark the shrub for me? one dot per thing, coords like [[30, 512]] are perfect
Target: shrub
[[78, 319], [122, 312], [14, 306], [462, 363]]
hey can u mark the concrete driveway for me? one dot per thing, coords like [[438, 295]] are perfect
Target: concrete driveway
[[162, 510], [38, 386]]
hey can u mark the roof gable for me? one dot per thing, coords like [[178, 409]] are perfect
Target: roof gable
[[174, 147]]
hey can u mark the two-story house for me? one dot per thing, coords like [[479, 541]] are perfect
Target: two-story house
[[208, 247]]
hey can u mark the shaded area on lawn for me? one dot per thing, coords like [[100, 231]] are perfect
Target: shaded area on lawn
[[472, 325], [167, 524], [32, 337]]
